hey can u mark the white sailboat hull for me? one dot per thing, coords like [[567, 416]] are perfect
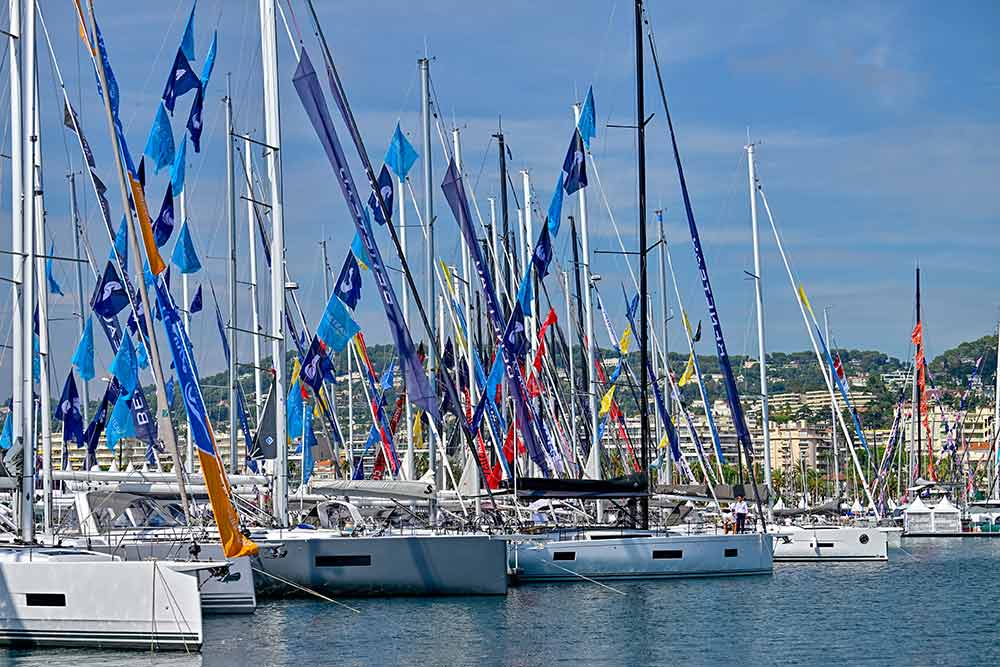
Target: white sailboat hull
[[106, 604], [415, 564], [829, 543], [547, 558]]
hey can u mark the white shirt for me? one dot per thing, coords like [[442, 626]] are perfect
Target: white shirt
[[741, 507]]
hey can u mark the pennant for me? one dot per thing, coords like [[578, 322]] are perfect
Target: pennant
[[543, 253], [119, 424], [124, 366], [177, 171], [187, 40], [688, 372], [514, 338], [170, 390], [54, 287], [575, 165], [587, 125], [206, 69], [83, 357], [164, 225], [349, 282], [109, 297], [68, 412], [156, 264], [184, 256], [336, 327], [385, 187], [697, 333], [554, 218], [194, 119], [401, 155], [316, 365], [360, 253], [625, 340], [120, 248], [182, 79], [607, 400], [160, 144], [308, 442], [142, 168], [196, 302], [294, 409], [7, 435], [805, 300]]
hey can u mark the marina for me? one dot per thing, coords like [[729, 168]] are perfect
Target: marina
[[529, 387]]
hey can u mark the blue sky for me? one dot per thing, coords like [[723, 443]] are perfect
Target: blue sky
[[877, 124]]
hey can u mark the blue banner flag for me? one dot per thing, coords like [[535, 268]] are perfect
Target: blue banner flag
[[177, 171], [543, 254], [182, 80], [349, 282], [160, 144], [164, 225], [196, 303], [337, 327], [7, 435], [401, 155], [121, 244], [306, 446], [360, 253], [307, 86], [294, 407], [95, 428], [575, 164], [83, 357], [385, 187], [187, 40], [68, 412], [588, 119], [316, 366], [170, 390], [124, 366], [54, 287], [554, 218], [184, 256], [194, 119], [209, 65], [119, 423], [109, 297]]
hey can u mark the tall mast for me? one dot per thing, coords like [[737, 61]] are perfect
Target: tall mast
[[665, 310], [833, 416], [254, 303], [272, 139], [186, 316], [761, 345], [508, 276], [425, 119], [27, 187], [914, 462], [80, 299], [231, 271], [408, 458], [640, 122], [17, 244], [995, 491]]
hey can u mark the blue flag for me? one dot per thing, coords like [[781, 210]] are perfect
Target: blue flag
[[83, 357], [514, 338], [160, 144], [170, 389], [187, 40], [196, 302], [588, 119], [360, 253], [121, 244], [184, 257], [177, 171], [194, 119], [337, 327], [401, 155], [575, 164], [306, 446], [554, 218], [119, 424], [125, 368], [294, 407], [109, 297], [385, 187], [543, 254], [316, 366], [182, 79], [164, 225], [68, 412], [54, 287], [349, 282], [206, 69], [7, 435]]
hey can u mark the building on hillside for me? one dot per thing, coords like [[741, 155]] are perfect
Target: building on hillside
[[895, 380]]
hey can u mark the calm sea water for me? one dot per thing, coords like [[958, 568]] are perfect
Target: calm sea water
[[937, 603]]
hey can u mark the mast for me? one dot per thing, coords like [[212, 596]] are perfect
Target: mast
[[508, 276], [571, 335], [26, 219], [761, 346], [914, 462], [80, 302], [665, 309], [231, 271], [995, 491], [272, 139], [833, 416], [254, 304], [640, 121], [425, 118], [408, 459]]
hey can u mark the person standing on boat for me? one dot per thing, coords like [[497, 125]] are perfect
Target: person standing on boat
[[741, 510]]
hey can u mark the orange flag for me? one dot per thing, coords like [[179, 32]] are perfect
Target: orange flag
[[156, 265]]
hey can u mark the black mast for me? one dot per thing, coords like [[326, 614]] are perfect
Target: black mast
[[504, 217], [640, 121], [916, 391]]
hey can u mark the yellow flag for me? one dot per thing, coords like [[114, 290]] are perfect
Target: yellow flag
[[418, 428], [626, 339], [805, 300], [687, 324], [607, 401], [296, 368], [688, 372], [663, 441], [447, 277]]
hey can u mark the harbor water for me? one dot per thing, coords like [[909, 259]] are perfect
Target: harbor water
[[933, 604]]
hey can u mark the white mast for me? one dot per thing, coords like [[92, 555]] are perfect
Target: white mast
[[428, 217], [234, 467], [272, 139], [594, 460], [408, 457], [761, 347], [254, 306], [665, 308], [833, 415]]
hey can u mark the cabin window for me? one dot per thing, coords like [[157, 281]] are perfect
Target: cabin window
[[564, 555], [45, 599], [863, 539], [344, 561], [825, 545], [732, 553], [667, 554]]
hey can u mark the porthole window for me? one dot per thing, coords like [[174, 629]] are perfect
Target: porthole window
[[864, 538]]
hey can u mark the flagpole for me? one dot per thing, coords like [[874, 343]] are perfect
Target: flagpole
[[272, 134], [761, 347], [231, 270], [254, 305]]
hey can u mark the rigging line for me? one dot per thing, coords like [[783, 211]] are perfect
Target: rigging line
[[154, 64]]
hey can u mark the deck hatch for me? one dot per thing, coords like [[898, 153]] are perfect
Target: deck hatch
[[665, 554], [45, 599], [364, 560], [564, 555]]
